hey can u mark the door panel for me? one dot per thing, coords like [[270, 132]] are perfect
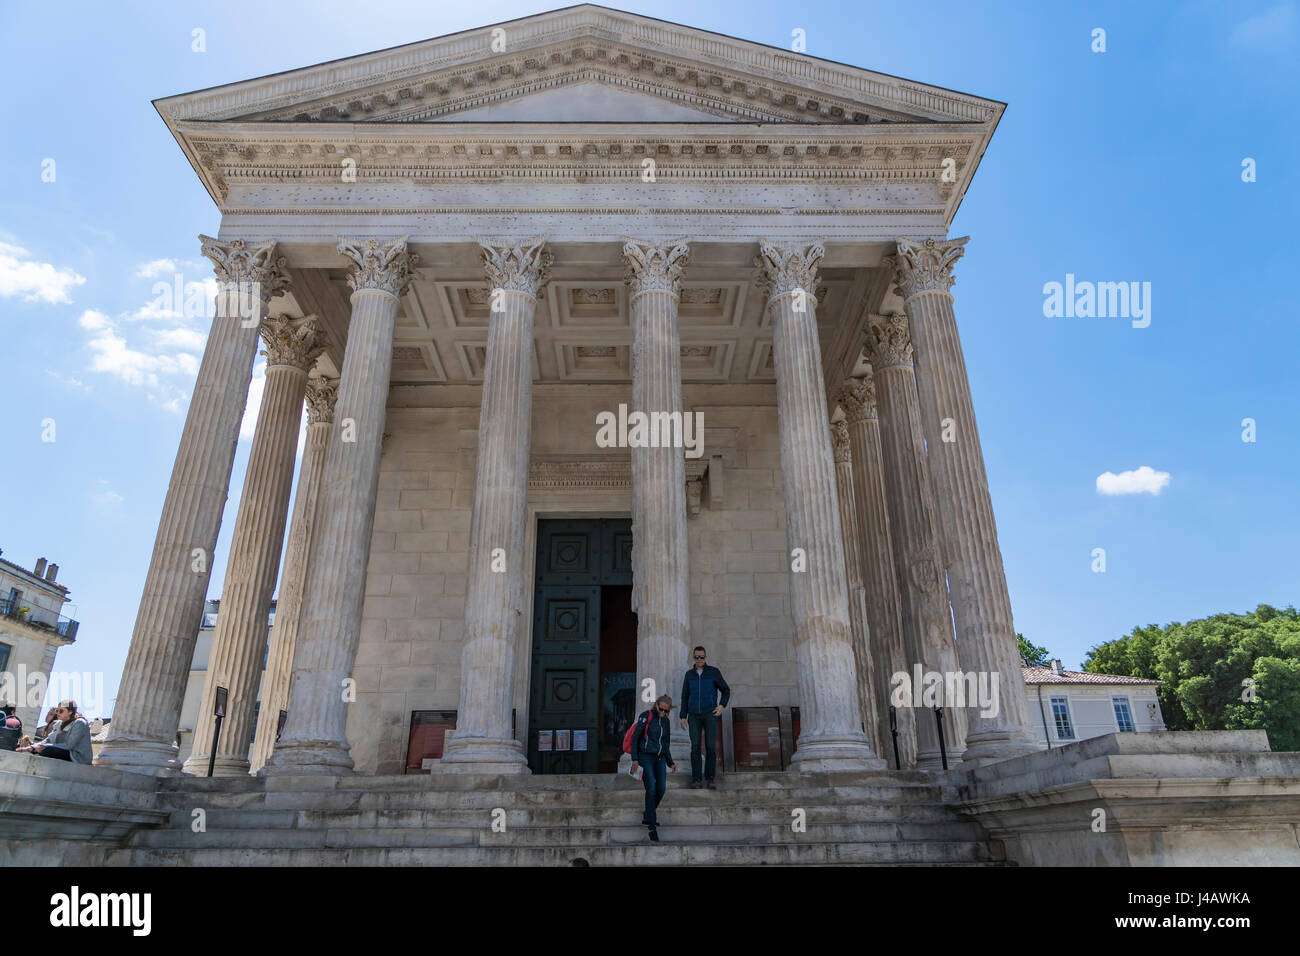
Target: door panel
[[574, 559]]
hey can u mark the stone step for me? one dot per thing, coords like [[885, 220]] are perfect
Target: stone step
[[728, 814], [523, 799], [577, 836], [568, 782], [665, 853]]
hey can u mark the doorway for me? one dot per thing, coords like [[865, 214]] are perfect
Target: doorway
[[582, 694]]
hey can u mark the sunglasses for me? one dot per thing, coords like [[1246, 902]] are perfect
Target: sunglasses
[[699, 657], [664, 711]]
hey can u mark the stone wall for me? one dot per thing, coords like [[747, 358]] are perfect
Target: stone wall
[[409, 656]]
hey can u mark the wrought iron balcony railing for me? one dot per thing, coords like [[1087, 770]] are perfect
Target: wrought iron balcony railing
[[39, 617]]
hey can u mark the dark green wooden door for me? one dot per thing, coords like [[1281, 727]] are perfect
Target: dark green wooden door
[[574, 558]]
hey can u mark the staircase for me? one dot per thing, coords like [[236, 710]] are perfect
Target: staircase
[[879, 818]]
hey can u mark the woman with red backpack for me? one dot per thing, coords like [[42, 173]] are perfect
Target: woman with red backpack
[[648, 745]]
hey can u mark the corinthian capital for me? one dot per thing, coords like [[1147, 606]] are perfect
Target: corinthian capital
[[322, 392], [517, 267], [656, 267], [888, 343], [234, 261], [858, 399], [384, 267], [925, 266], [293, 342], [788, 268], [840, 441]]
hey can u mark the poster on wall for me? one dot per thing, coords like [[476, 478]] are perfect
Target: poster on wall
[[561, 740], [579, 740], [543, 741]]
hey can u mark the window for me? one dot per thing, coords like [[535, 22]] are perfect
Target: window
[[1123, 715], [1061, 714], [5, 650]]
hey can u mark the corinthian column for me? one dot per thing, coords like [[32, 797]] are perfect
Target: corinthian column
[[239, 643], [148, 709], [886, 656], [927, 623], [494, 604], [977, 583], [660, 568], [852, 535], [315, 734], [832, 737], [321, 393]]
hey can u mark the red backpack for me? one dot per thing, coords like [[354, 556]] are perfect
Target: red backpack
[[627, 737]]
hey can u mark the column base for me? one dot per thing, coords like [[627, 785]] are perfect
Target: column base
[[139, 755], [197, 766], [833, 754], [485, 755], [992, 746], [308, 756], [933, 760]]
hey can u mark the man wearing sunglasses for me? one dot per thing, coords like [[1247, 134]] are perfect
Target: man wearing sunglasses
[[650, 752], [700, 712]]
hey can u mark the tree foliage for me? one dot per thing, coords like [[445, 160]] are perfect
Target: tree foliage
[[1226, 672], [1031, 653]]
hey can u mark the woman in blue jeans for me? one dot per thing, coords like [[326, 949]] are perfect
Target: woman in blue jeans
[[650, 752]]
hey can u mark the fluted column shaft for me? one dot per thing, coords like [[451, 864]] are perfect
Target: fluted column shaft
[[483, 741], [986, 640], [239, 642], [148, 708], [831, 736], [851, 534], [887, 655], [660, 563], [914, 534], [321, 393], [315, 733]]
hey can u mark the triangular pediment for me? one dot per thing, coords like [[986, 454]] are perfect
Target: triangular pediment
[[592, 100], [581, 64]]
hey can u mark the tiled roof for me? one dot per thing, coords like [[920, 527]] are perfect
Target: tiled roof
[[1044, 675]]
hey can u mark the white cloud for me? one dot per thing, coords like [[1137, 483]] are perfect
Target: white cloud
[[180, 338], [67, 381], [1145, 480], [1265, 32], [34, 281], [157, 269], [161, 373]]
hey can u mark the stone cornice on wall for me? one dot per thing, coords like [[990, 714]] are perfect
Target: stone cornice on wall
[[297, 154]]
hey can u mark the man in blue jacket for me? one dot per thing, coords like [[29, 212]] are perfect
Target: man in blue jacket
[[700, 711], [650, 751]]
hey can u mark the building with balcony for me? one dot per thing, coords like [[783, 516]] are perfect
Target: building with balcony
[[32, 629]]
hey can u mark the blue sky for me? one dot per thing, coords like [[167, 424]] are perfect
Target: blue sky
[[1116, 166]]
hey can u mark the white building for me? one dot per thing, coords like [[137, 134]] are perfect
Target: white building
[[1076, 705], [32, 630]]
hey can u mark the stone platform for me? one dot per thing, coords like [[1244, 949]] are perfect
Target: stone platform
[[1168, 799]]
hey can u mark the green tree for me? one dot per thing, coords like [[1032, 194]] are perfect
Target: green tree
[[1226, 672], [1032, 654]]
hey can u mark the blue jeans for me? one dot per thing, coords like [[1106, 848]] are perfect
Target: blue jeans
[[709, 723], [654, 774]]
